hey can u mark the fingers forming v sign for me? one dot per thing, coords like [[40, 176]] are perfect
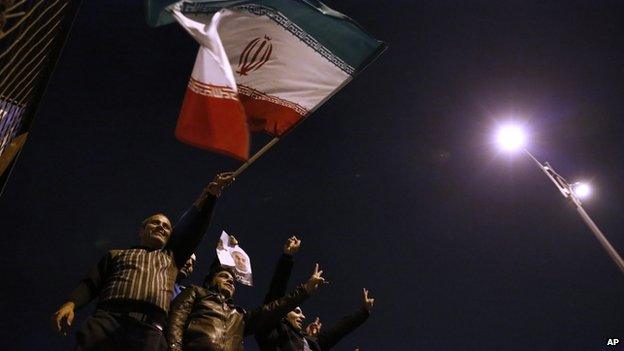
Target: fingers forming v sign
[[315, 280], [318, 274], [368, 301]]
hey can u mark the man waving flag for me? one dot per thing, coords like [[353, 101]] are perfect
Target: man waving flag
[[262, 65]]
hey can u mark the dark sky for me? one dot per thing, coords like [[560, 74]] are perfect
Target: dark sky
[[393, 185]]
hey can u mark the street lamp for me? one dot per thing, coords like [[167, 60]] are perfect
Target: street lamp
[[513, 138], [581, 190]]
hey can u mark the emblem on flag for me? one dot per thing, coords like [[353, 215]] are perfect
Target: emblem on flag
[[255, 54]]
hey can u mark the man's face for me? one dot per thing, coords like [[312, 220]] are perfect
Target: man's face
[[187, 269], [240, 261], [224, 282], [295, 318], [155, 232]]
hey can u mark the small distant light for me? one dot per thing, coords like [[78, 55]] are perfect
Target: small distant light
[[510, 138], [581, 190]]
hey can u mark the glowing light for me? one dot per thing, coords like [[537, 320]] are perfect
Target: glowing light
[[581, 190], [511, 138]]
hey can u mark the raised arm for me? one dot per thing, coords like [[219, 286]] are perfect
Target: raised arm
[[267, 316], [190, 229], [330, 337], [279, 282], [87, 290], [178, 317]]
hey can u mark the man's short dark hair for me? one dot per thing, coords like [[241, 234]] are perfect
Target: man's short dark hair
[[146, 220], [214, 271]]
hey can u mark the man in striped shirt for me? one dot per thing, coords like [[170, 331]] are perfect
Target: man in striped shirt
[[134, 286]]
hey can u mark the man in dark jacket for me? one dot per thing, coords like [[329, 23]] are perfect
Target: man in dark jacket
[[134, 286], [205, 318], [288, 334]]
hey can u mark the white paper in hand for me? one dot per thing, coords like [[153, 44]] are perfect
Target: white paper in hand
[[235, 257]]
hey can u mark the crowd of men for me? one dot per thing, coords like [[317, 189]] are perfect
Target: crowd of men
[[135, 287]]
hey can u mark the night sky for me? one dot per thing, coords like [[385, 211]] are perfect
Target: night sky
[[393, 185]]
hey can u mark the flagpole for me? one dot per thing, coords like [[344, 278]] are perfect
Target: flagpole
[[256, 156]]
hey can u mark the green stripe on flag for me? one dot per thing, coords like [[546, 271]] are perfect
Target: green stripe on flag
[[337, 32]]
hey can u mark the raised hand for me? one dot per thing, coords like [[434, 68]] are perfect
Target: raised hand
[[215, 187], [315, 280], [221, 181], [64, 317], [367, 301], [314, 328], [232, 241], [292, 245]]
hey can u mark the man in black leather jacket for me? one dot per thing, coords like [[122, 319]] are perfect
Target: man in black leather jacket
[[289, 334], [205, 318]]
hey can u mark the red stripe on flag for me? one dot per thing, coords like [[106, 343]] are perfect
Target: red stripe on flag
[[263, 115], [216, 124], [269, 113]]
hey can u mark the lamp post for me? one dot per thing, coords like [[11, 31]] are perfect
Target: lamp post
[[512, 138]]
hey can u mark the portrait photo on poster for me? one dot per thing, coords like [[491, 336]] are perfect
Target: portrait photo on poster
[[230, 254]]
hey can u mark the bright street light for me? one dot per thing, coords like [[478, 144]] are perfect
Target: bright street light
[[582, 190], [512, 138]]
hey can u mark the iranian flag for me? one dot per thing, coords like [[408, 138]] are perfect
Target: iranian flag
[[262, 66]]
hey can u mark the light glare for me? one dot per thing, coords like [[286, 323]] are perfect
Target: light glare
[[581, 190], [511, 138]]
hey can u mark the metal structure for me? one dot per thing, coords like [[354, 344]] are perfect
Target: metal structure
[[32, 34], [568, 192]]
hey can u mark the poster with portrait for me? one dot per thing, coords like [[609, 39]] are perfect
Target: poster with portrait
[[232, 255]]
